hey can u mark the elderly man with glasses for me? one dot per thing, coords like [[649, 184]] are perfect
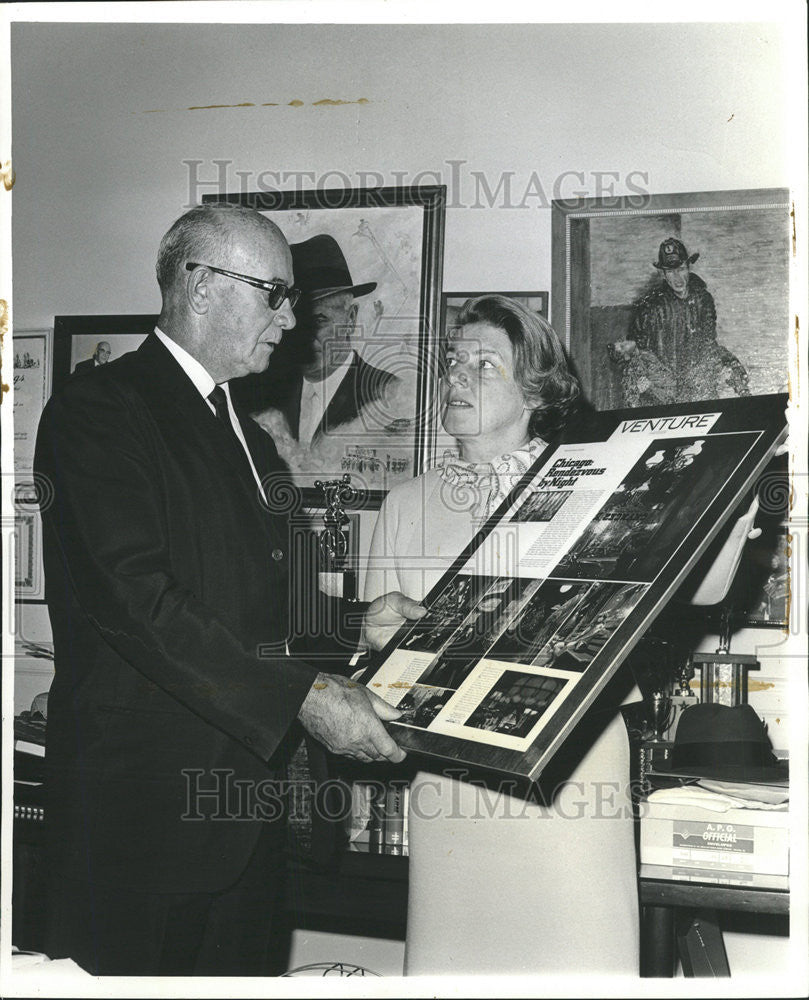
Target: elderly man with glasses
[[176, 696], [101, 355]]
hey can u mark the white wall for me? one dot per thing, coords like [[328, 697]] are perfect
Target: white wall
[[102, 131]]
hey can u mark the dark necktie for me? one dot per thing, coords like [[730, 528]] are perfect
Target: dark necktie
[[220, 404]]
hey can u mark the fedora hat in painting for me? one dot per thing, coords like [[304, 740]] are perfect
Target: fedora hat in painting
[[321, 269]]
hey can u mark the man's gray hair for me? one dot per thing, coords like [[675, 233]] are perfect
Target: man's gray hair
[[203, 235]]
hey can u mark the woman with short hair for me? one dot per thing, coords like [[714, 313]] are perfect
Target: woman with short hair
[[498, 884]]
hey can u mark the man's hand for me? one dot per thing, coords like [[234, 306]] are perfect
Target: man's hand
[[345, 717], [386, 615]]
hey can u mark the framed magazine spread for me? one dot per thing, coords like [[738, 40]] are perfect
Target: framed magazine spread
[[537, 613]]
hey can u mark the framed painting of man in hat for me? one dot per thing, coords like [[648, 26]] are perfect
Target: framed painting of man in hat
[[674, 298], [351, 387]]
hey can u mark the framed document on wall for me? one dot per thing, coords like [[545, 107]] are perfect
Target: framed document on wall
[[32, 387], [538, 612]]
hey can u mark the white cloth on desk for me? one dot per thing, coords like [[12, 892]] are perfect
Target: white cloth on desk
[[498, 885], [756, 794], [721, 797]]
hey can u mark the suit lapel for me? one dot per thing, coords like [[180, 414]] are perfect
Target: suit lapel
[[266, 459], [292, 407], [170, 388], [343, 404]]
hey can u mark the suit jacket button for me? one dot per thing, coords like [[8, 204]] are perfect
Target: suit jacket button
[[278, 554]]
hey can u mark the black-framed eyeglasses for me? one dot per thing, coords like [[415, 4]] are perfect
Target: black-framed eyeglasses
[[277, 290]]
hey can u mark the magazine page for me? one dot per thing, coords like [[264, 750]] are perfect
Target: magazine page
[[510, 635]]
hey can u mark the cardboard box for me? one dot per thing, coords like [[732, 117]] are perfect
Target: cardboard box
[[740, 840], [747, 880]]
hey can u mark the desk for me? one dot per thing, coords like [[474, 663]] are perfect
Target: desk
[[661, 895]]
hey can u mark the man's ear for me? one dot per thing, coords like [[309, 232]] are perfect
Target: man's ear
[[351, 315], [197, 289]]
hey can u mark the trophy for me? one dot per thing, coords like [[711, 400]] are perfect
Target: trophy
[[723, 675], [661, 715], [654, 670], [337, 577]]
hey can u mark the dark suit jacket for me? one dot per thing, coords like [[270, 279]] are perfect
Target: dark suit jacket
[[165, 574], [363, 384], [83, 367]]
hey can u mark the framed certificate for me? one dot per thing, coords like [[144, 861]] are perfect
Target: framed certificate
[[33, 351]]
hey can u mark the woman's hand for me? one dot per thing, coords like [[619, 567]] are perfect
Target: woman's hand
[[716, 583], [386, 615]]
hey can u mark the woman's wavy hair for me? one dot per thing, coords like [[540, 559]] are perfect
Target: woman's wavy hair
[[540, 367]]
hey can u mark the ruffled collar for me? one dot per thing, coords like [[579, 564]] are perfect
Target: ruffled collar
[[480, 487]]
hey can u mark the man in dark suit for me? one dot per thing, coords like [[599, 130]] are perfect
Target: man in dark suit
[[101, 355], [166, 561], [323, 383]]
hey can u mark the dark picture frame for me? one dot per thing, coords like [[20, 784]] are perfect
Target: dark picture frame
[[74, 338], [536, 301], [393, 236], [68, 343], [29, 577], [604, 255], [771, 564], [763, 585], [579, 598]]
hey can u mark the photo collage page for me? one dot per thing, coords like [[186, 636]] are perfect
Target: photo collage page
[[496, 655]]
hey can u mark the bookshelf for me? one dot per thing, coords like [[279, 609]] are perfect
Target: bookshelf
[[336, 882]]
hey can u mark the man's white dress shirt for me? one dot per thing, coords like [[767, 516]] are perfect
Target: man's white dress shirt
[[204, 385], [315, 399]]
